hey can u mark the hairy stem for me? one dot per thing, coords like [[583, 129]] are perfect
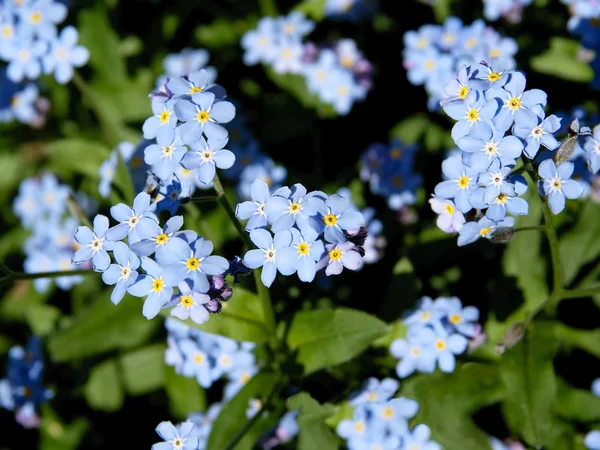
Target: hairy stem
[[14, 276], [579, 293], [261, 289]]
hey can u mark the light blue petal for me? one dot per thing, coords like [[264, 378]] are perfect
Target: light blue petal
[[246, 209], [556, 200], [112, 274], [306, 268], [253, 259], [100, 261], [572, 189], [547, 169], [268, 274], [214, 265], [117, 232], [141, 287], [261, 238]]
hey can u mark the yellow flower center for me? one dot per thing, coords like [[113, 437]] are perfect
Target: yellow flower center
[[202, 116], [422, 43], [165, 116], [485, 231], [321, 75], [195, 89], [395, 153], [490, 149], [36, 17], [449, 38], [514, 103], [295, 208], [270, 254], [388, 413], [303, 248], [186, 301], [192, 263], [286, 53], [7, 32], [225, 360], [440, 344], [471, 42], [463, 182], [158, 285], [397, 180], [125, 272], [133, 221], [289, 28], [162, 239], [425, 316], [495, 52], [463, 92], [346, 61], [537, 132], [415, 351], [455, 319], [556, 183], [342, 90], [449, 208], [429, 65], [61, 54], [501, 199], [359, 427], [335, 254], [245, 377], [372, 396], [96, 244], [473, 115], [493, 76], [330, 220], [199, 358], [177, 444]]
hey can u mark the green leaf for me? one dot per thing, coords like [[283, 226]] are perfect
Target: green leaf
[[296, 86], [522, 258], [241, 318], [315, 9], [104, 389], [102, 327], [232, 417], [314, 433], [576, 404], [56, 435], [343, 411], [447, 402], [325, 338], [185, 394], [20, 298], [143, 369], [581, 244], [560, 60], [88, 154], [42, 318], [583, 339], [441, 9], [529, 380], [410, 129], [224, 32], [98, 36]]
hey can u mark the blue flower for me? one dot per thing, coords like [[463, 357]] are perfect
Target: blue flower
[[375, 391], [205, 156], [592, 150], [259, 44], [472, 231], [162, 122], [540, 132], [285, 208], [196, 364], [164, 157], [64, 54], [445, 346], [459, 185], [557, 184], [418, 437], [189, 303], [304, 252], [338, 256], [124, 273], [160, 240], [95, 244], [132, 221], [41, 17], [394, 414], [171, 195], [202, 114], [333, 216], [193, 262], [24, 59], [177, 438], [268, 255], [484, 149], [186, 61], [254, 209], [474, 116], [463, 320], [152, 285], [265, 170], [199, 81], [413, 353]]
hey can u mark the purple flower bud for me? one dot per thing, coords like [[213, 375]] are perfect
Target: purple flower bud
[[216, 282], [226, 293], [213, 306]]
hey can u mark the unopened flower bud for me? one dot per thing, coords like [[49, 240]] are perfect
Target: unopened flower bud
[[511, 337], [503, 235]]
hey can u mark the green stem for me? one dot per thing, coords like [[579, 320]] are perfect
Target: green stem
[[4, 268], [255, 418], [579, 293], [268, 8], [537, 227], [261, 289], [557, 276], [14, 276], [207, 199]]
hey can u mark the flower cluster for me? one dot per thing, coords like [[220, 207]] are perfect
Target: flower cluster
[[437, 331], [389, 170], [182, 259], [298, 219], [488, 100], [31, 44], [41, 205], [381, 421], [22, 103], [510, 10], [22, 390], [339, 76], [187, 136], [209, 357], [583, 24], [585, 9], [435, 53]]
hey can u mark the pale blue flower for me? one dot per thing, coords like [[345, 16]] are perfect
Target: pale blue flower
[[557, 184]]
